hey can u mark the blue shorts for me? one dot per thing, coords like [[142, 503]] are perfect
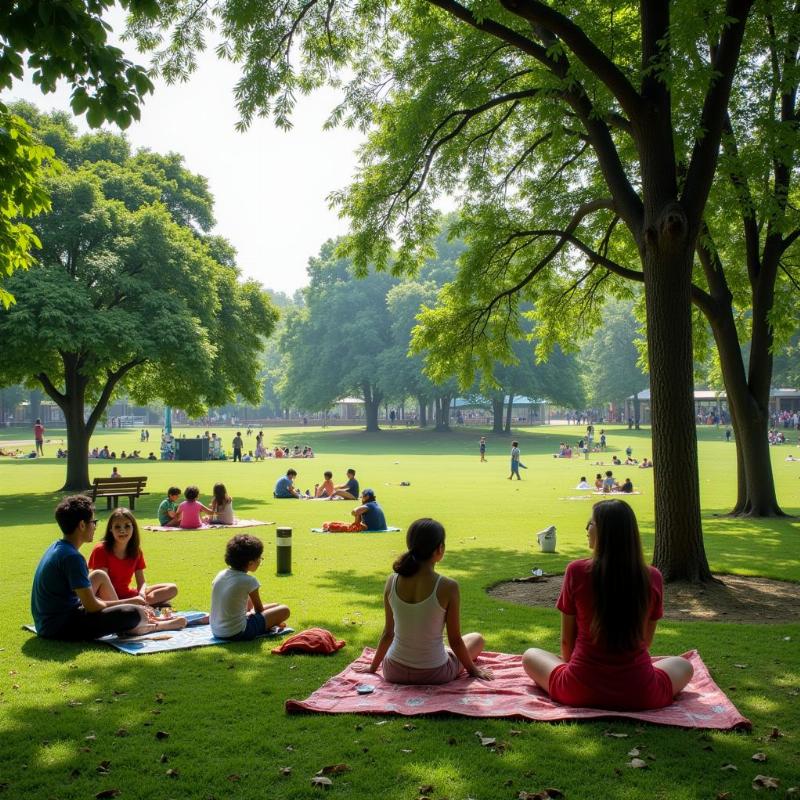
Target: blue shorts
[[256, 626]]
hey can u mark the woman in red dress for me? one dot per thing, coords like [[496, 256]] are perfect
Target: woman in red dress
[[610, 605]]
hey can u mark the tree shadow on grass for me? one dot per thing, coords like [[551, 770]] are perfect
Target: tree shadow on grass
[[202, 713]]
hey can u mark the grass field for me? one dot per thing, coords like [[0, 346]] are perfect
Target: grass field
[[65, 709]]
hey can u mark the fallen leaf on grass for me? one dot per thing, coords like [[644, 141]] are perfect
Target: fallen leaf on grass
[[382, 722], [164, 758], [160, 697], [741, 666], [758, 757], [614, 735], [638, 763], [765, 782], [426, 789], [724, 796], [108, 793], [544, 794], [90, 737], [335, 769], [104, 767], [405, 750], [321, 780], [71, 703], [634, 752], [775, 734], [488, 741], [172, 773], [234, 778], [162, 735], [122, 732], [409, 726], [285, 771], [729, 768], [514, 732]]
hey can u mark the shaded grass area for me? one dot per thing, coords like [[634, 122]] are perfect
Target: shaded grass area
[[223, 706]]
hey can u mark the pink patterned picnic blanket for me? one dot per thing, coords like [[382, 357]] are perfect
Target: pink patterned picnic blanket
[[239, 523], [511, 694]]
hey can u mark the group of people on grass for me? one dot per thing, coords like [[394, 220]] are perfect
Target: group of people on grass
[[75, 601], [189, 514], [610, 605]]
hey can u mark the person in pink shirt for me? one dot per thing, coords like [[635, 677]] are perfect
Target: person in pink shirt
[[610, 605], [191, 508]]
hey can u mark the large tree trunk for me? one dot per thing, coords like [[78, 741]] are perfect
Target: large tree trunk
[[423, 411], [748, 402], [498, 404], [509, 411], [78, 436], [443, 413], [667, 259], [637, 410]]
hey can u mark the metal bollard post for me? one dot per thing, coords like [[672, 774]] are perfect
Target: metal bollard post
[[283, 544]]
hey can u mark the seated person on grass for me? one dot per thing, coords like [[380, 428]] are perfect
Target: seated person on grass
[[190, 509], [284, 487], [418, 604], [237, 613], [326, 488], [610, 605], [369, 513], [68, 602], [349, 489], [168, 514]]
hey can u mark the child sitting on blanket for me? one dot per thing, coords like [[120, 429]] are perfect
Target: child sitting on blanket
[[610, 605], [121, 557], [326, 488], [168, 514], [190, 509], [418, 603], [237, 613], [221, 507]]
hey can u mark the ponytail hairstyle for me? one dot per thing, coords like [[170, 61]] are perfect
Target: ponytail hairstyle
[[423, 539], [221, 495], [620, 578]]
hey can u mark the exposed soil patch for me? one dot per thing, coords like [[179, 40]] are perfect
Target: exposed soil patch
[[736, 599]]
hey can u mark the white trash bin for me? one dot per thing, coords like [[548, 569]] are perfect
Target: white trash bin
[[547, 539]]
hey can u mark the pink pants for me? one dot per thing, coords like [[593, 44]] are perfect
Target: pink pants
[[395, 672]]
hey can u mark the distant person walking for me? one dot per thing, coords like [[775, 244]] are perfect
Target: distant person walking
[[515, 462], [482, 448], [38, 436]]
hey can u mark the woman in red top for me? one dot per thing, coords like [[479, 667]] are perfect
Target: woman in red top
[[120, 555], [610, 605]]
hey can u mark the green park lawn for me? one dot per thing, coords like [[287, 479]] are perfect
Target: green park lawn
[[65, 708]]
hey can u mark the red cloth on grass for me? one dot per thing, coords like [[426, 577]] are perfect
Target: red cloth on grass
[[314, 640], [596, 677]]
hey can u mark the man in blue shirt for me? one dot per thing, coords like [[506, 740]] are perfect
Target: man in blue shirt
[[349, 489], [66, 601], [369, 512], [284, 487]]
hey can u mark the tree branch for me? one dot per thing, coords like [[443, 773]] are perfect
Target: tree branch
[[583, 47], [112, 379], [59, 399], [705, 153]]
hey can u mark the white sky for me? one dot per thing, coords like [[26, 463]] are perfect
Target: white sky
[[270, 187]]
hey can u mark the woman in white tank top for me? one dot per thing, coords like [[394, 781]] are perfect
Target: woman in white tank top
[[418, 604]]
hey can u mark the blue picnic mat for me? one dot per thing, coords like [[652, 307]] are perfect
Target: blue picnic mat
[[163, 641]]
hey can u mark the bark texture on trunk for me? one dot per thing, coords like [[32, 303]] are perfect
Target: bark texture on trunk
[[668, 251], [509, 412], [372, 405]]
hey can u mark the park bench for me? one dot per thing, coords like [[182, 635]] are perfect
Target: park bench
[[114, 488]]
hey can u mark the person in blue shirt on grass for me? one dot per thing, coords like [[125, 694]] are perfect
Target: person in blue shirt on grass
[[68, 602], [285, 488], [369, 512]]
